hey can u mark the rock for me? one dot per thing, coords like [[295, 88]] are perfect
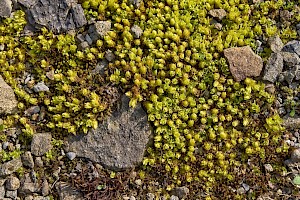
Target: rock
[[83, 45], [137, 31], [45, 188], [80, 38], [99, 29], [12, 183], [150, 196], [10, 167], [136, 3], [296, 72], [57, 15], [173, 197], [119, 142], [41, 143], [218, 13], [270, 88], [290, 59], [241, 190], [258, 44], [243, 62], [27, 3], [32, 110], [218, 26], [2, 192], [8, 102], [291, 123], [27, 186], [180, 192], [131, 198], [88, 39], [288, 77], [246, 187], [100, 67], [11, 194], [5, 145], [71, 155], [41, 198], [268, 167], [138, 182], [295, 156], [39, 162], [40, 87], [285, 15], [275, 43], [5, 8], [66, 192], [273, 67], [292, 47], [109, 55]]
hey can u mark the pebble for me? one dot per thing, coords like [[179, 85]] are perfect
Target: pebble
[[12, 183], [27, 159], [268, 167], [39, 162], [246, 187], [45, 188], [173, 197], [12, 194], [5, 145], [40, 87], [71, 155], [180, 192], [295, 155], [138, 182], [150, 196]]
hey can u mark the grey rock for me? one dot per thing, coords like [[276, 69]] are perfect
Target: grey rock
[[173, 197], [218, 26], [292, 47], [10, 167], [5, 145], [71, 155], [273, 67], [275, 43], [27, 3], [12, 183], [138, 182], [84, 45], [5, 8], [99, 29], [119, 142], [285, 15], [32, 110], [57, 15], [29, 197], [2, 192], [296, 72], [268, 167], [295, 156], [12, 194], [109, 55], [8, 102], [136, 3], [180, 192], [27, 159], [243, 62], [66, 192], [137, 31], [131, 198], [290, 59], [88, 39], [241, 190], [80, 38], [288, 76], [40, 87], [27, 186], [150, 196], [292, 123], [100, 67], [246, 187], [39, 162], [45, 188], [218, 13], [41, 143], [270, 88]]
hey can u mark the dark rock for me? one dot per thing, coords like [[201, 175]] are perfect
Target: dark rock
[[41, 143], [2, 192], [273, 67], [275, 43], [290, 59], [99, 29], [27, 3], [8, 102], [66, 192], [218, 13], [10, 167], [180, 192], [119, 142], [5, 8], [27, 159], [12, 183], [100, 67], [40, 87], [137, 31], [288, 77], [243, 62], [292, 47], [109, 55], [78, 16]]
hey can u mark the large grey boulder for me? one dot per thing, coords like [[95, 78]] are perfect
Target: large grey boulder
[[243, 62], [57, 15], [5, 8], [119, 142], [8, 102], [273, 67]]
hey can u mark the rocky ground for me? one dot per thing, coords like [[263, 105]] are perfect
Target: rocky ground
[[108, 158]]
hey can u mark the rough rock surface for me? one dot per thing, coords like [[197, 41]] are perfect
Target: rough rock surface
[[57, 15], [100, 67], [5, 8], [27, 159], [243, 62], [10, 167], [8, 102], [273, 67], [41, 143], [99, 29], [180, 192], [293, 123], [275, 43], [12, 183], [66, 192], [137, 31], [290, 59], [119, 142], [218, 13], [292, 47]]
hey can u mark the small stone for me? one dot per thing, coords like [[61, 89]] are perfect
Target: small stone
[[150, 196], [109, 55], [78, 16], [5, 145], [137, 31], [180, 192], [45, 188], [273, 67], [246, 187], [8, 101], [80, 38], [132, 198], [39, 162], [32, 110], [241, 190], [5, 8], [296, 134], [291, 59], [136, 3], [173, 197], [41, 143], [30, 197], [295, 157], [12, 183], [268, 167], [100, 67], [218, 26], [270, 88], [71, 155], [40, 87], [243, 62], [99, 29], [83, 45], [138, 182], [88, 39], [292, 47], [10, 167], [292, 123], [12, 194], [285, 15], [50, 75], [275, 43], [218, 13]]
